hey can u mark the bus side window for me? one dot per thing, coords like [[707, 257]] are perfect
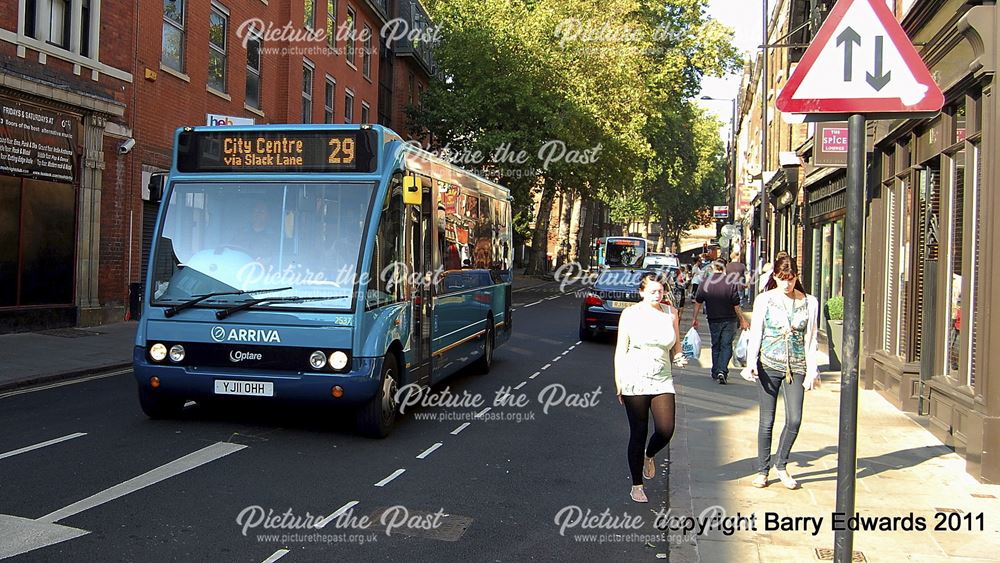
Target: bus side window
[[387, 278]]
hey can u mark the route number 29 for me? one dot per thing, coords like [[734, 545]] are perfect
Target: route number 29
[[341, 151]]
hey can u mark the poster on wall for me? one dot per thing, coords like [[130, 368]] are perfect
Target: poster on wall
[[37, 143]]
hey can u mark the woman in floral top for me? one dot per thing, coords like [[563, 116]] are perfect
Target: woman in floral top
[[782, 355]]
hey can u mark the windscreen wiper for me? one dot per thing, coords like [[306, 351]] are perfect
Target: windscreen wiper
[[223, 313], [171, 311]]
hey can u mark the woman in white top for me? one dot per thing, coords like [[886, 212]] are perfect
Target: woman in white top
[[781, 355], [647, 332]]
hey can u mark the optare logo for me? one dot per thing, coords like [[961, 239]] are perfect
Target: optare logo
[[238, 356], [218, 333]]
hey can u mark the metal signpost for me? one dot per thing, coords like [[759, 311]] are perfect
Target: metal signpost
[[882, 76]]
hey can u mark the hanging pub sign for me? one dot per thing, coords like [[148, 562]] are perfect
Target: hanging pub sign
[[37, 143], [831, 144]]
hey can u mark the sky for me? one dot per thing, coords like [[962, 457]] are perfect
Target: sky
[[744, 17]]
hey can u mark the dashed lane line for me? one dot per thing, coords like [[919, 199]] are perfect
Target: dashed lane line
[[463, 426], [336, 514], [191, 461], [26, 449], [389, 479], [276, 555], [546, 366], [519, 385], [429, 450], [64, 383]]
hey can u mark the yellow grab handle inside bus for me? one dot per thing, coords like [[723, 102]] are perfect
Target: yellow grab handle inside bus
[[412, 190]]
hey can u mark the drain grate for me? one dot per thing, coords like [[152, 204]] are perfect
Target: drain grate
[[826, 554], [449, 527], [69, 333]]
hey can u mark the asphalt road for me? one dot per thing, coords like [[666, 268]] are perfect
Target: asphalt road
[[234, 483]]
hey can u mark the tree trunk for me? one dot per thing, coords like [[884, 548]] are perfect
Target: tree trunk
[[540, 235], [579, 214], [586, 246], [565, 218]]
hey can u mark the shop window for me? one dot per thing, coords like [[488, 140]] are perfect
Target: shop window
[[953, 288], [48, 234], [927, 245], [10, 219], [972, 320]]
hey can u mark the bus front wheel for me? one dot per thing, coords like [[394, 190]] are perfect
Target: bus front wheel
[[156, 405], [375, 419], [485, 362]]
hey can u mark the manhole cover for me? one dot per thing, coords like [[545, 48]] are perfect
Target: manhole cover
[[419, 524], [69, 333]]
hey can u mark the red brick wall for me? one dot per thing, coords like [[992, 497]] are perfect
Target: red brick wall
[[402, 69]]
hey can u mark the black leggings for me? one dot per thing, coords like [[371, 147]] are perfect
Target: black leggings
[[637, 407]]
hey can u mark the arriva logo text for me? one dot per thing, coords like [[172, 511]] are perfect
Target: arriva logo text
[[219, 334]]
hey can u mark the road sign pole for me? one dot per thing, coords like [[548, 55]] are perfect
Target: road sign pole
[[847, 449]]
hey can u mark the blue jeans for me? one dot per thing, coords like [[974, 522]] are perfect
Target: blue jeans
[[770, 381], [723, 333]]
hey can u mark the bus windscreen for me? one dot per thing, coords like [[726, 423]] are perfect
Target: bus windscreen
[[277, 151]]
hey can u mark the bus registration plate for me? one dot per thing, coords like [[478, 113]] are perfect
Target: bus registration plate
[[252, 388]]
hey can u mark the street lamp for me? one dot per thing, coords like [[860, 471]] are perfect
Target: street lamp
[[731, 173]]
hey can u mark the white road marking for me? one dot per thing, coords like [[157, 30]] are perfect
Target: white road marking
[[63, 383], [534, 375], [275, 556], [386, 481], [482, 412], [532, 304], [460, 428], [553, 297], [192, 460], [13, 453], [564, 353], [336, 514], [546, 366], [189, 404], [556, 359], [428, 451], [573, 346], [519, 385], [578, 342]]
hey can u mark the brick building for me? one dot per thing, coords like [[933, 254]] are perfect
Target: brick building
[[66, 203], [117, 71]]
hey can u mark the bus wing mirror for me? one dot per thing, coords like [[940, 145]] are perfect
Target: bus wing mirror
[[412, 190], [156, 186]]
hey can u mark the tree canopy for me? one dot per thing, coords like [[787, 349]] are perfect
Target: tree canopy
[[591, 98]]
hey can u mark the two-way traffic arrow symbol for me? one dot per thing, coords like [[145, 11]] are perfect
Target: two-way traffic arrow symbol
[[878, 80], [848, 38]]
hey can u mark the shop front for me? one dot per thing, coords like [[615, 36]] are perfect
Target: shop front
[[39, 180], [931, 244]]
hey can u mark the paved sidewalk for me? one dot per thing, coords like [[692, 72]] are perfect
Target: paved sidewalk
[[902, 469], [27, 358]]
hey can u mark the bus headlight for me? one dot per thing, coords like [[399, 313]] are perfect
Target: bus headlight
[[158, 352], [317, 360], [176, 353], [338, 360]]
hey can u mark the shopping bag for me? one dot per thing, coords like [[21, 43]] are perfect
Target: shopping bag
[[691, 346], [741, 347]]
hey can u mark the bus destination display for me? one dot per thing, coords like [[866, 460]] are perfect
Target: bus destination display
[[277, 151]]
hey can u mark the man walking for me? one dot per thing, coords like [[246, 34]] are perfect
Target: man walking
[[722, 307]]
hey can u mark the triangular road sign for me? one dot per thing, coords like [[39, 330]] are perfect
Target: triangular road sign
[[861, 61]]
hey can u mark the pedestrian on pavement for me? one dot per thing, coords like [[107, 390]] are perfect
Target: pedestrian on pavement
[[736, 270], [782, 355], [647, 335], [698, 273], [722, 307]]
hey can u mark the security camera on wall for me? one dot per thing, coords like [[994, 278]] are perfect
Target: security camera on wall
[[126, 146]]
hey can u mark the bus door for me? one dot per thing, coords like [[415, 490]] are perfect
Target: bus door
[[418, 225]]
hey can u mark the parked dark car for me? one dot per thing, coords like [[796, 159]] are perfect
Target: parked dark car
[[602, 304]]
